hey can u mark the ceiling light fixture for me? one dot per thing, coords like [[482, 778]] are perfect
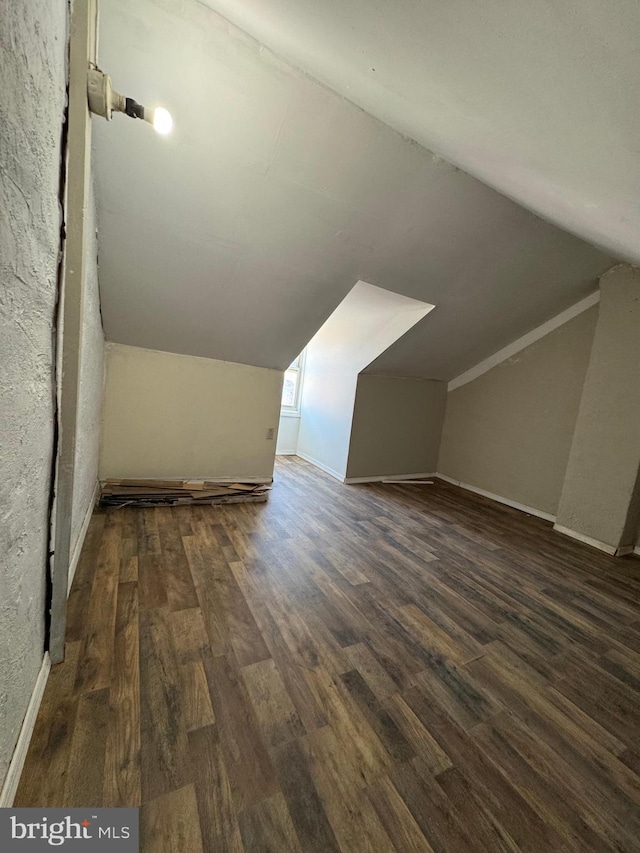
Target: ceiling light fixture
[[104, 101]]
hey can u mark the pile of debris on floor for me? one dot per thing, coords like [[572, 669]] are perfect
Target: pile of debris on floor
[[147, 493]]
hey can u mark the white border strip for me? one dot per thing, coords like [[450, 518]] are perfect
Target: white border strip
[[522, 507], [621, 551], [24, 738], [77, 549], [625, 550], [321, 465], [538, 513], [379, 479], [587, 540], [525, 341]]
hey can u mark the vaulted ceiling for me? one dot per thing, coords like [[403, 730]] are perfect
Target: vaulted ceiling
[[538, 99], [236, 236]]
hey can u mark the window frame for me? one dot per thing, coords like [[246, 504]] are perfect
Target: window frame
[[297, 364]]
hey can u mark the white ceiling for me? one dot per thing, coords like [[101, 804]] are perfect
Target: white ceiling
[[237, 236], [536, 98]]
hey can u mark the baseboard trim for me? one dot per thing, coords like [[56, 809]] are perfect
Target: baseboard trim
[[77, 549], [378, 479], [620, 551], [506, 501], [321, 466], [624, 550], [286, 452], [587, 540], [19, 756]]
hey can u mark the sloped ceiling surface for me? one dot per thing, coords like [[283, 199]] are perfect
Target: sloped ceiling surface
[[538, 99], [237, 236]]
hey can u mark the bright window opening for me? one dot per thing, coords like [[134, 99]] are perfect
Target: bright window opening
[[292, 388]]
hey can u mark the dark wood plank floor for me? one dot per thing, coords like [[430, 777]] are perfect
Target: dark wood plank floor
[[365, 668]]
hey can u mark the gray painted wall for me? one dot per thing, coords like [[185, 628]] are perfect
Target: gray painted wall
[[396, 426], [367, 321], [509, 431], [91, 386], [32, 69]]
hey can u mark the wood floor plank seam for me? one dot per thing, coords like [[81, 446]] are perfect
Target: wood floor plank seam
[[347, 669]]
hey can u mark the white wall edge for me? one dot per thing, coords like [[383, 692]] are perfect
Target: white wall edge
[[24, 738], [514, 504], [287, 453], [525, 341], [320, 465], [77, 549], [587, 540], [378, 479]]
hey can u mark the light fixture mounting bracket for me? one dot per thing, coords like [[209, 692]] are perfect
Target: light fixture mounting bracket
[[104, 101]]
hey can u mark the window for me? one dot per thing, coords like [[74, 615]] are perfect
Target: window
[[291, 390]]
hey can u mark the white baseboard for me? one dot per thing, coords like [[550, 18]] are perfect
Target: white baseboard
[[24, 738], [506, 501], [379, 479], [320, 465], [580, 537], [286, 452], [624, 550], [587, 540], [77, 548]]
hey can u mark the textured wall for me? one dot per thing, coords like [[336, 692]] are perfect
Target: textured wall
[[602, 473], [91, 386], [396, 426], [509, 431], [32, 70], [173, 416]]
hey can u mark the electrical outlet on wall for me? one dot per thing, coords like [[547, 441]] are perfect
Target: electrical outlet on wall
[[271, 432]]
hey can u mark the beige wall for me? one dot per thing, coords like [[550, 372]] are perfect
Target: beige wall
[[509, 431], [172, 416], [396, 426]]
